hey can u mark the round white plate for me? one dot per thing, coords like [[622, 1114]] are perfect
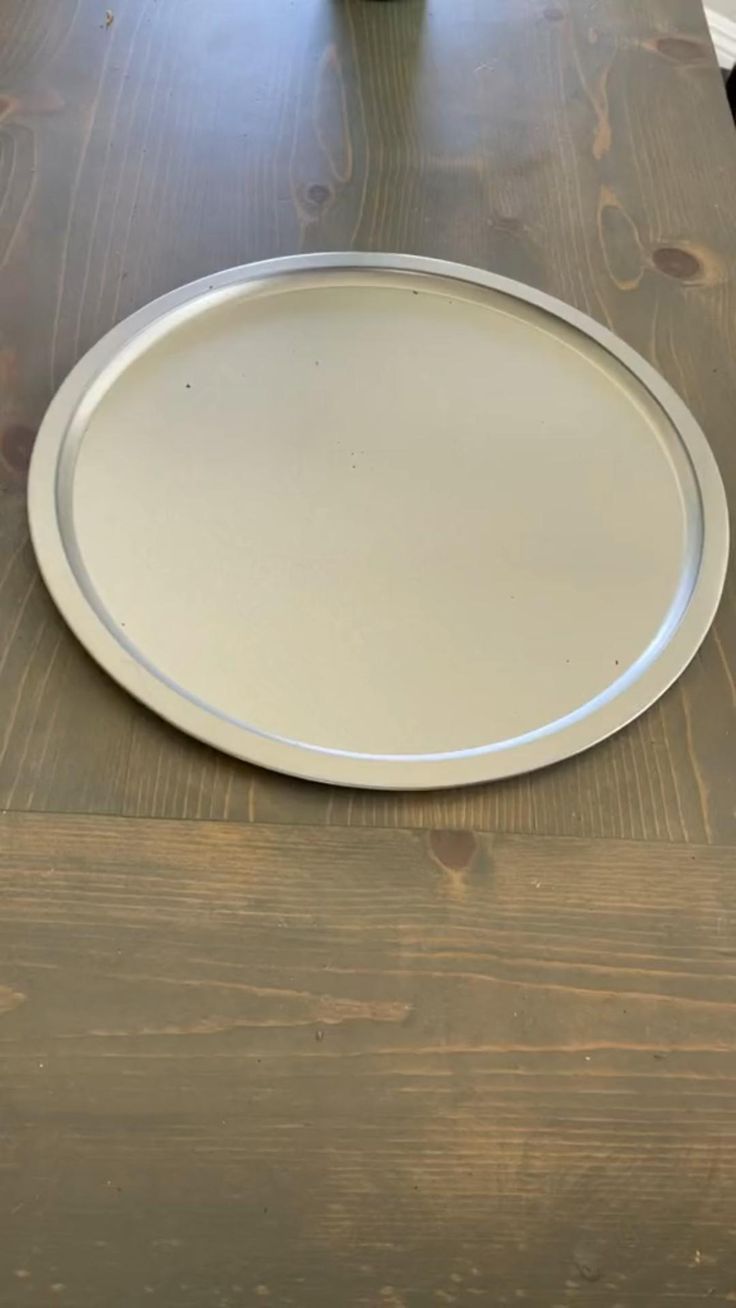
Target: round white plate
[[378, 520]]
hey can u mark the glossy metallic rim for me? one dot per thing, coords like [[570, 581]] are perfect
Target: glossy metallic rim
[[64, 574]]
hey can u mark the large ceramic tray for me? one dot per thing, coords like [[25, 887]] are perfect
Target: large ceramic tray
[[378, 520]]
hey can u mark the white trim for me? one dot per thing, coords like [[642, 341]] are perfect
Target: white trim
[[723, 33]]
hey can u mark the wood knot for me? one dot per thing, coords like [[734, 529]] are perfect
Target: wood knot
[[318, 194], [588, 1269], [453, 850], [17, 443], [679, 49], [586, 1261], [695, 265], [676, 262]]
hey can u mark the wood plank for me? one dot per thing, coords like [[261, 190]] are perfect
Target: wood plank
[[587, 150], [369, 1067]]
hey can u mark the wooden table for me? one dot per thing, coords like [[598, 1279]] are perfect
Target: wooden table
[[265, 1041]]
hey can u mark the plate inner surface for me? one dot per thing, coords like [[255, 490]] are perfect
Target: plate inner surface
[[384, 515]]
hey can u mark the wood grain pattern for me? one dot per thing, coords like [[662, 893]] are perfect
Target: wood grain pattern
[[363, 1067], [585, 148]]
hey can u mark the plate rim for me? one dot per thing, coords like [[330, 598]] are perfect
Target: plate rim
[[336, 767]]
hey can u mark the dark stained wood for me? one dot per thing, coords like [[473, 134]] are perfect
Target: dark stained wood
[[331, 1060], [366, 1067], [586, 148], [583, 148]]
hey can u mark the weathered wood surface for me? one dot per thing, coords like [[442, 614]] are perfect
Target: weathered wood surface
[[585, 148], [363, 1067]]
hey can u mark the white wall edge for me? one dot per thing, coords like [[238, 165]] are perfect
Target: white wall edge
[[723, 34]]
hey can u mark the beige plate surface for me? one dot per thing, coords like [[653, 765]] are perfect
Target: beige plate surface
[[379, 520]]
